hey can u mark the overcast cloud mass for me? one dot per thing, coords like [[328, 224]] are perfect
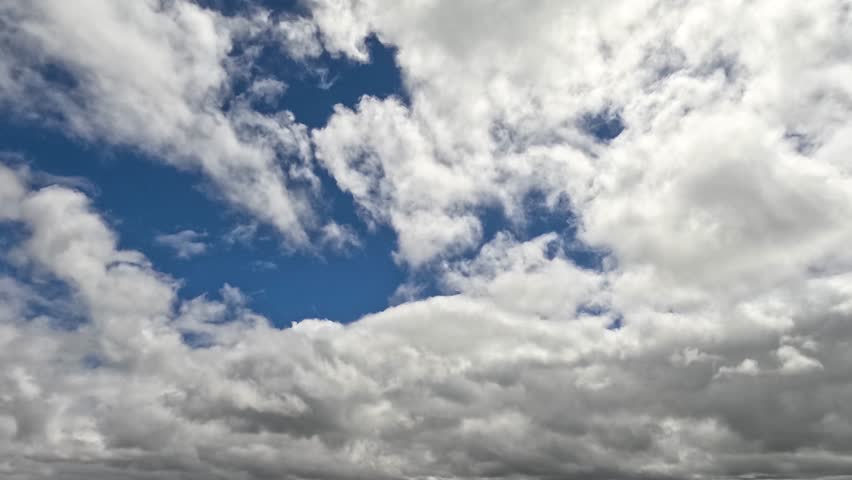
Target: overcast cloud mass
[[698, 152]]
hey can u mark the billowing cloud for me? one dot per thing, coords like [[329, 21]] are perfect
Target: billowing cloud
[[509, 99], [703, 146], [516, 375], [162, 89]]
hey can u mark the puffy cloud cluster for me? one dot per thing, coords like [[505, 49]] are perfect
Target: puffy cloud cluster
[[517, 375], [713, 343], [735, 116]]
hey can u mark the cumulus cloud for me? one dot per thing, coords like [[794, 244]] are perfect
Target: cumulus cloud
[[185, 243], [711, 158], [713, 344], [155, 76], [510, 377]]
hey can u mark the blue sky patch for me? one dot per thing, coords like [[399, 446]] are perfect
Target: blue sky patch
[[604, 126], [142, 199]]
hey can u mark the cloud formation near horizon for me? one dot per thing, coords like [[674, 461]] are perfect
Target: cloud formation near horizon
[[701, 150]]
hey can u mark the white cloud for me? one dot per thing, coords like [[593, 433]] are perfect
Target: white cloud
[[339, 237], [508, 377], [793, 361], [185, 243], [723, 204], [746, 367], [299, 38], [267, 89], [497, 112], [521, 277], [381, 157], [154, 75]]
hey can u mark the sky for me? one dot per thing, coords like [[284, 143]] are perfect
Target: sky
[[146, 202], [348, 239]]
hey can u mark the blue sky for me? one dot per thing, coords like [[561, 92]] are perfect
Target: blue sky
[[144, 199], [468, 240]]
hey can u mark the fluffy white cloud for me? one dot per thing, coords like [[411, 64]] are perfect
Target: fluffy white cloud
[[719, 158], [155, 76], [514, 376], [714, 343]]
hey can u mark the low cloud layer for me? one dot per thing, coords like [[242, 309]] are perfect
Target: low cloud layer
[[700, 148]]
